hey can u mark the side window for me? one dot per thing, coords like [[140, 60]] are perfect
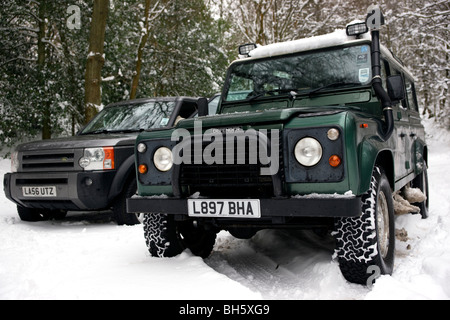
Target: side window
[[188, 108], [394, 71], [411, 95], [411, 100], [213, 104]]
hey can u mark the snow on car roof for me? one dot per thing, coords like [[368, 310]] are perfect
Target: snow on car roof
[[336, 38]]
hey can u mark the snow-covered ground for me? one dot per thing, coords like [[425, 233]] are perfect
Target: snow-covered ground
[[87, 256]]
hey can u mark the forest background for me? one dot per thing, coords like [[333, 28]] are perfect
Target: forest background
[[62, 61]]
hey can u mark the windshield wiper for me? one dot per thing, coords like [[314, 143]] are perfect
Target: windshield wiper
[[99, 131], [292, 92], [106, 131], [256, 96], [334, 85], [126, 130]]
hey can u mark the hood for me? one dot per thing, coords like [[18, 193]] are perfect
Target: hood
[[82, 141], [279, 116]]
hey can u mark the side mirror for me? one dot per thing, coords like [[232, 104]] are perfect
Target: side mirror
[[396, 88], [202, 105]]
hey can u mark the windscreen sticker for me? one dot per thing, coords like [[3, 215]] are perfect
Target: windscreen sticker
[[364, 75], [164, 121], [362, 59]]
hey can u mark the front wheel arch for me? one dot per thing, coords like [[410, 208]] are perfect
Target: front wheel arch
[[373, 154], [126, 172]]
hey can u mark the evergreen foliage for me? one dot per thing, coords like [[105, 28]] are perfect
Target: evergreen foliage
[[185, 46]]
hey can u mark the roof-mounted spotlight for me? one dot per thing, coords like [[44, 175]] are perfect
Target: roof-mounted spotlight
[[357, 29], [245, 49], [374, 21]]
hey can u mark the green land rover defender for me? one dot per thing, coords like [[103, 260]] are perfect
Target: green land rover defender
[[315, 133]]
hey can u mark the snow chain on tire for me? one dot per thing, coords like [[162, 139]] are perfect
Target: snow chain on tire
[[357, 239]]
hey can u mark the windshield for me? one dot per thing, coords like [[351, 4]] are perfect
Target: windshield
[[133, 117], [301, 73]]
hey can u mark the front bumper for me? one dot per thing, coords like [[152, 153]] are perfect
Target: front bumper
[[74, 189], [310, 206]]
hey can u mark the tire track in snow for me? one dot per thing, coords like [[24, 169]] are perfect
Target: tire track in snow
[[239, 261], [280, 264]]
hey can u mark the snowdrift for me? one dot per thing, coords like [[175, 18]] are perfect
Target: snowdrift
[[87, 256]]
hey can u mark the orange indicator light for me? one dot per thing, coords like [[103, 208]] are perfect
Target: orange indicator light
[[108, 163], [334, 161], [143, 169]]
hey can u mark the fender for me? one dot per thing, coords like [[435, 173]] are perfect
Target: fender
[[373, 151], [126, 169], [420, 154]]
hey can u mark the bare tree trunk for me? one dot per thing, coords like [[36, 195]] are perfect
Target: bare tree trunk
[[445, 96], [95, 60], [46, 126], [142, 43]]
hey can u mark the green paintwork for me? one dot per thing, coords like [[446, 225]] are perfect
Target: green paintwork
[[355, 110]]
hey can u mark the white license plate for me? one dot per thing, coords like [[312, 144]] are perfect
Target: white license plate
[[42, 192], [224, 208]]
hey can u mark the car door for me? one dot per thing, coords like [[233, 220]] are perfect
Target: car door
[[416, 132], [402, 150]]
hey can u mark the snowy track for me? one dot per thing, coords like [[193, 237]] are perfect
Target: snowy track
[[246, 263], [89, 257], [284, 265]]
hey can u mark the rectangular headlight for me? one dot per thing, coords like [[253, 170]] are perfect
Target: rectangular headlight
[[98, 159]]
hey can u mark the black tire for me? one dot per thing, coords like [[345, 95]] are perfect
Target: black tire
[[120, 213], [33, 215], [197, 239], [167, 238], [368, 240], [421, 182], [58, 214]]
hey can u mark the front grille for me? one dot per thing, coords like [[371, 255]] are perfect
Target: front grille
[[225, 181], [223, 175], [228, 180], [48, 161], [41, 181]]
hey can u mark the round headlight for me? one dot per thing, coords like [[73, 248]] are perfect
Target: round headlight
[[84, 162], [163, 159], [98, 155], [141, 148], [308, 152], [333, 134]]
